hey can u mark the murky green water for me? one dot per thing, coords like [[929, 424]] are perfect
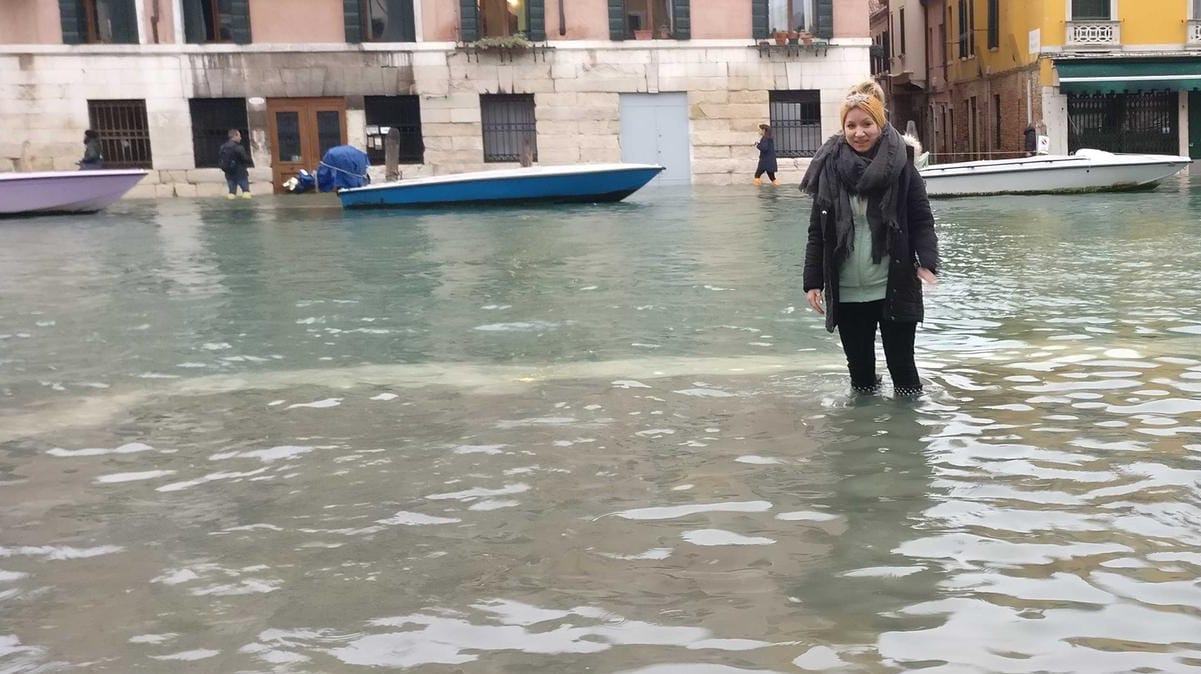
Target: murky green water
[[270, 437]]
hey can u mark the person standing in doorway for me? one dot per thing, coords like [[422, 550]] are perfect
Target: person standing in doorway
[[767, 156], [871, 242], [234, 162], [92, 158]]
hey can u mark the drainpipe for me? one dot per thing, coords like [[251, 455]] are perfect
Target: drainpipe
[[154, 16], [562, 20]]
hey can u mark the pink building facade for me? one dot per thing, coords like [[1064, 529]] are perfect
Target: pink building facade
[[465, 82]]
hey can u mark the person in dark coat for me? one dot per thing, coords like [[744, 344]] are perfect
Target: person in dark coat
[[767, 156], [871, 242], [235, 162], [92, 158]]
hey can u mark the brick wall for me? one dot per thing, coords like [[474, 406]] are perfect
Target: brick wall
[[1013, 87]]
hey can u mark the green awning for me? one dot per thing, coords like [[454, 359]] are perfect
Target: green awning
[[1128, 75]]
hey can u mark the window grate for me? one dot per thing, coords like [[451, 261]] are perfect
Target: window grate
[[212, 118], [796, 122], [1146, 122], [402, 113], [124, 132], [509, 124]]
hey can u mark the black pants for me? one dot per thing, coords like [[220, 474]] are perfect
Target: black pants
[[857, 323], [771, 175]]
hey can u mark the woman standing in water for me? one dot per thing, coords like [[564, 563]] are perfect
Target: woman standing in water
[[767, 156], [871, 242]]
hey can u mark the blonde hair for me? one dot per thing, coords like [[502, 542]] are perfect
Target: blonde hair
[[867, 96]]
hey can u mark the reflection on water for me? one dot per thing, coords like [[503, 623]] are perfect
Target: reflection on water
[[269, 437]]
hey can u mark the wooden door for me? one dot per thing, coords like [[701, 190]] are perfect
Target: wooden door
[[302, 129]]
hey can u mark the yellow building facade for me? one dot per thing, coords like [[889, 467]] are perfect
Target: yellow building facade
[[1117, 75]]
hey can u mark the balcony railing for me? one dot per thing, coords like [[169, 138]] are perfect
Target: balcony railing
[[1194, 32], [1094, 34]]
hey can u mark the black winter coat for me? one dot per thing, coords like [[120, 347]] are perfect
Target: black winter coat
[[767, 155], [911, 245], [233, 159]]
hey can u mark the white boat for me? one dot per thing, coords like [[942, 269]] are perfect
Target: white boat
[[1085, 171], [46, 192]]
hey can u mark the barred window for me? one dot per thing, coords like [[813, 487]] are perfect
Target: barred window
[[796, 122], [508, 121], [124, 132], [212, 118], [402, 113]]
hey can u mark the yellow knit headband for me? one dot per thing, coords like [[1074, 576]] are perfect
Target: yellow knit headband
[[873, 106]]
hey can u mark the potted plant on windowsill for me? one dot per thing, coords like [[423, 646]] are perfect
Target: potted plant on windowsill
[[806, 36], [780, 36], [664, 32], [643, 34], [510, 42], [794, 37]]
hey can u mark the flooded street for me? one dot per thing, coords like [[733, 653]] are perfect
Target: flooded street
[[271, 437]]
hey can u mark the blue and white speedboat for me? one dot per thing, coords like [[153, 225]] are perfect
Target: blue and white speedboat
[[578, 183]]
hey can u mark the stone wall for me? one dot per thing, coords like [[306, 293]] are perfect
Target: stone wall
[[576, 87]]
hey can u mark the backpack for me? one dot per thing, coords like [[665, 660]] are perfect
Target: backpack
[[228, 160]]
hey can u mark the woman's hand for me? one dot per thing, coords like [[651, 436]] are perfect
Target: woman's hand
[[927, 276], [815, 301]]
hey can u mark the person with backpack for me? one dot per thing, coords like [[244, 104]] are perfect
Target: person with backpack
[[92, 158], [233, 160]]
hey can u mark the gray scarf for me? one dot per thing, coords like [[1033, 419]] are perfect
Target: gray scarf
[[837, 173]]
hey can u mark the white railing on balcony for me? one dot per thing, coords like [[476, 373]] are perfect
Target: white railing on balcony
[[1194, 32], [1094, 33]]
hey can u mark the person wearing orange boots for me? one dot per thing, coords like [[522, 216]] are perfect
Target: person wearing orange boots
[[767, 156]]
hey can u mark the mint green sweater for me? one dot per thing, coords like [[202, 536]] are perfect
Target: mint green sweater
[[859, 279]]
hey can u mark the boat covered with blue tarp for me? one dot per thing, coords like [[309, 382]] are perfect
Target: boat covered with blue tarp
[[342, 167]]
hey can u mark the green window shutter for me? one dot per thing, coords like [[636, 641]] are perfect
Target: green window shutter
[[824, 27], [469, 20], [759, 19], [681, 14], [537, 13], [240, 25], [75, 27], [124, 19], [617, 19], [408, 31], [193, 22], [352, 17]]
